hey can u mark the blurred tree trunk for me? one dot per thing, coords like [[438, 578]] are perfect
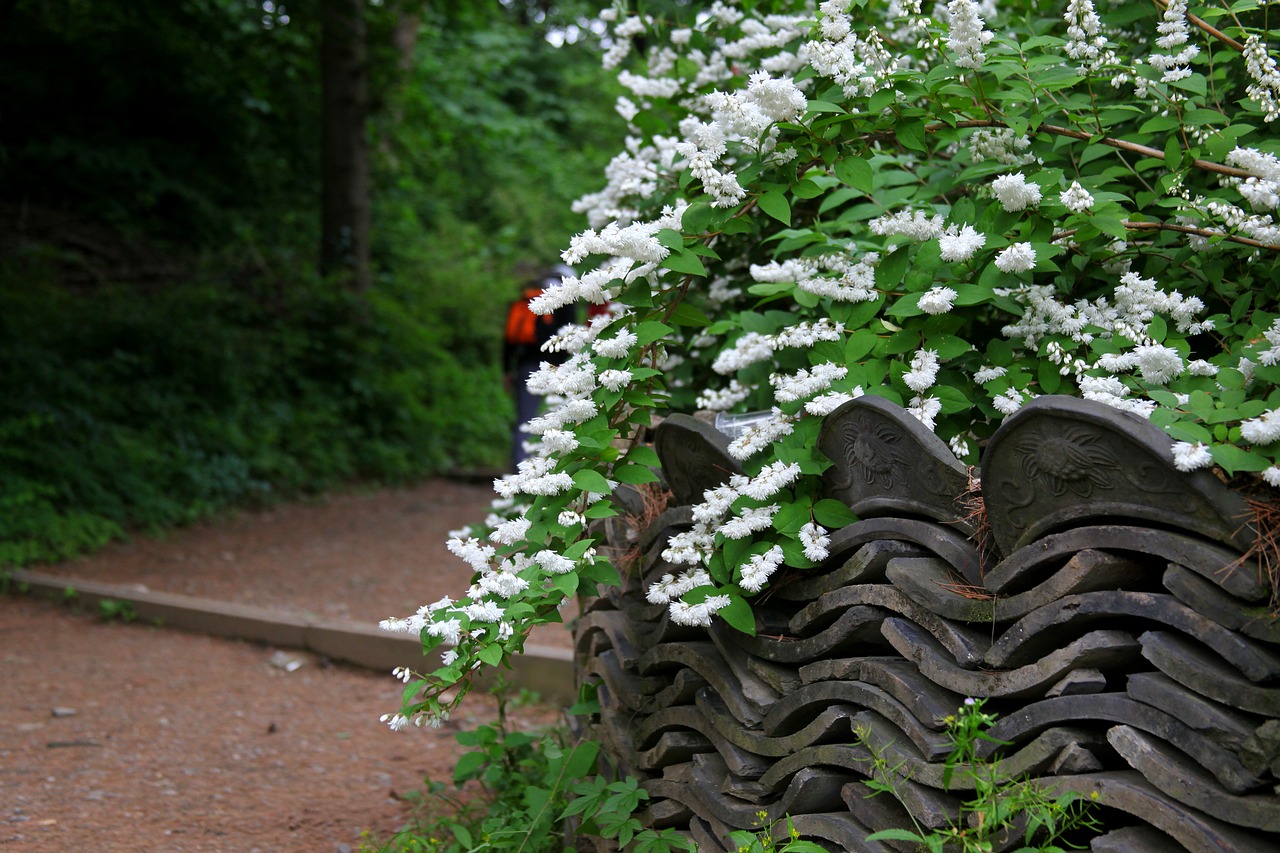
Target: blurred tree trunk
[[344, 156]]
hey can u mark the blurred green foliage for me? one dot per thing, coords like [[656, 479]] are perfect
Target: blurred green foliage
[[183, 134]]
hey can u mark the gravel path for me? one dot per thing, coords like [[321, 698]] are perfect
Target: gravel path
[[127, 737]]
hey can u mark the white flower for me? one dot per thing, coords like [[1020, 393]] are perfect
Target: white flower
[[760, 435], [1189, 457], [938, 300], [1200, 367], [958, 446], [619, 346], [924, 409], [395, 722], [1272, 476], [748, 521], [772, 479], [815, 540], [1084, 39], [959, 244], [914, 225], [758, 569], [1019, 257], [554, 563], [1264, 429], [569, 518], [806, 382], [615, 380], [1173, 31], [924, 371], [449, 630], [1015, 193], [1008, 402], [698, 614], [825, 404], [987, 374], [1076, 198], [967, 36], [1158, 363], [483, 611], [511, 531]]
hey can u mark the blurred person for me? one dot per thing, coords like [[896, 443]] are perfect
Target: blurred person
[[522, 342]]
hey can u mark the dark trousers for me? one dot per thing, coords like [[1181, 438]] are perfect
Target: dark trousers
[[526, 410]]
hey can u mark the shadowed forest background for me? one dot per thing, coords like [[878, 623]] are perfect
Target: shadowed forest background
[[253, 250]]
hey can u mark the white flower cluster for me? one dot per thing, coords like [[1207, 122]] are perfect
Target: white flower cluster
[[1002, 145], [760, 435], [937, 300], [1173, 36], [808, 382], [924, 371], [1265, 88], [753, 347], [1076, 198], [959, 243], [1015, 193], [914, 225], [724, 399], [1262, 190], [1085, 41], [967, 35], [858, 62], [1020, 257], [834, 275], [1137, 301]]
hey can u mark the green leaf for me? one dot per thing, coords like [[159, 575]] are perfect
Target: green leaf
[[577, 549], [582, 760], [1234, 459], [634, 475], [737, 613], [671, 238], [650, 331], [774, 203], [491, 654], [643, 454], [566, 584], [832, 514], [684, 262], [685, 314], [1049, 377], [468, 765], [855, 172], [591, 481], [911, 135], [697, 217], [896, 835], [790, 517]]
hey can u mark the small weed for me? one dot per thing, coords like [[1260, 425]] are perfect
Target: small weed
[[526, 792], [766, 839], [111, 609], [1000, 806]]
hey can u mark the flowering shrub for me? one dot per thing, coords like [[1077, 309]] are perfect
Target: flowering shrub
[[956, 208]]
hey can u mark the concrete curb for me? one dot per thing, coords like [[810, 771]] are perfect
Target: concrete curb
[[545, 669]]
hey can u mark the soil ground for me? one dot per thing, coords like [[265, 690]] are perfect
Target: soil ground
[[128, 737]]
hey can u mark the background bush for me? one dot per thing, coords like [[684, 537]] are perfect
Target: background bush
[[167, 349]]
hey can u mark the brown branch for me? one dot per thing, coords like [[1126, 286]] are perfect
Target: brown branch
[[1208, 28], [1122, 144], [1182, 229]]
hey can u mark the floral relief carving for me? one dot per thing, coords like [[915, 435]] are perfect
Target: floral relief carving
[[1073, 459], [872, 452]]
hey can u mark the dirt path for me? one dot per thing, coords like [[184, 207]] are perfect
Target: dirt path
[[179, 742]]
